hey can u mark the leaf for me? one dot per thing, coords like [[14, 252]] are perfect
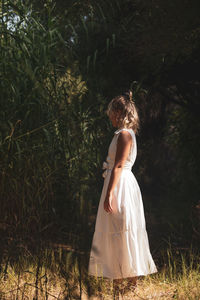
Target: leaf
[[113, 39], [88, 62], [48, 137], [107, 45]]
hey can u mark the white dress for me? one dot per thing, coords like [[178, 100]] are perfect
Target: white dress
[[120, 246]]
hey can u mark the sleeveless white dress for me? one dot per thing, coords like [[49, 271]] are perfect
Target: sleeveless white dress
[[120, 246]]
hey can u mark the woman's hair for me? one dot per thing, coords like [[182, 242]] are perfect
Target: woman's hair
[[128, 117]]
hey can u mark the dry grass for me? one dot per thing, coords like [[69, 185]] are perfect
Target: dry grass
[[59, 275]]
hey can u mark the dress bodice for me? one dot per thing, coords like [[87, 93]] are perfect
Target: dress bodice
[[110, 160]]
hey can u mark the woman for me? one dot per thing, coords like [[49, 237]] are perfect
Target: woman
[[120, 247]]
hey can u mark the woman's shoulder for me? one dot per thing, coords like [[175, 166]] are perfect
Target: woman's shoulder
[[130, 130]]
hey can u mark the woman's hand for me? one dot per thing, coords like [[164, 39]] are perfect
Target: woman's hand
[[108, 203]]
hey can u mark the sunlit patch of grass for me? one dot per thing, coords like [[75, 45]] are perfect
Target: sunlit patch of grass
[[32, 280], [179, 278], [60, 274]]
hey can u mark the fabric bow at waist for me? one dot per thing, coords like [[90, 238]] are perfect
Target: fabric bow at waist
[[107, 167]]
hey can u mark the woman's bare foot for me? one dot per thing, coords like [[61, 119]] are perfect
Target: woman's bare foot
[[132, 283], [124, 285], [117, 287]]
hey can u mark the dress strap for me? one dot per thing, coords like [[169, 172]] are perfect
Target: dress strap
[[126, 129]]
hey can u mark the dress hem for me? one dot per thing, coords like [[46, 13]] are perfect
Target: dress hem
[[120, 277]]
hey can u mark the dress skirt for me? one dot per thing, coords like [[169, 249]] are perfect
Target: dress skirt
[[120, 246]]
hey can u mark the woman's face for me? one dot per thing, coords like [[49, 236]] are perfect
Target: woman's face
[[114, 117]]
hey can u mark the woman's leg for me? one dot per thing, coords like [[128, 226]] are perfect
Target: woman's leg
[[132, 283], [117, 287], [124, 285], [117, 283], [132, 280]]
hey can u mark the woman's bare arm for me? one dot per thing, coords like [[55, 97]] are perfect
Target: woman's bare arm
[[123, 147]]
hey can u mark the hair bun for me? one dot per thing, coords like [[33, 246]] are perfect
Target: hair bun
[[129, 94]]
